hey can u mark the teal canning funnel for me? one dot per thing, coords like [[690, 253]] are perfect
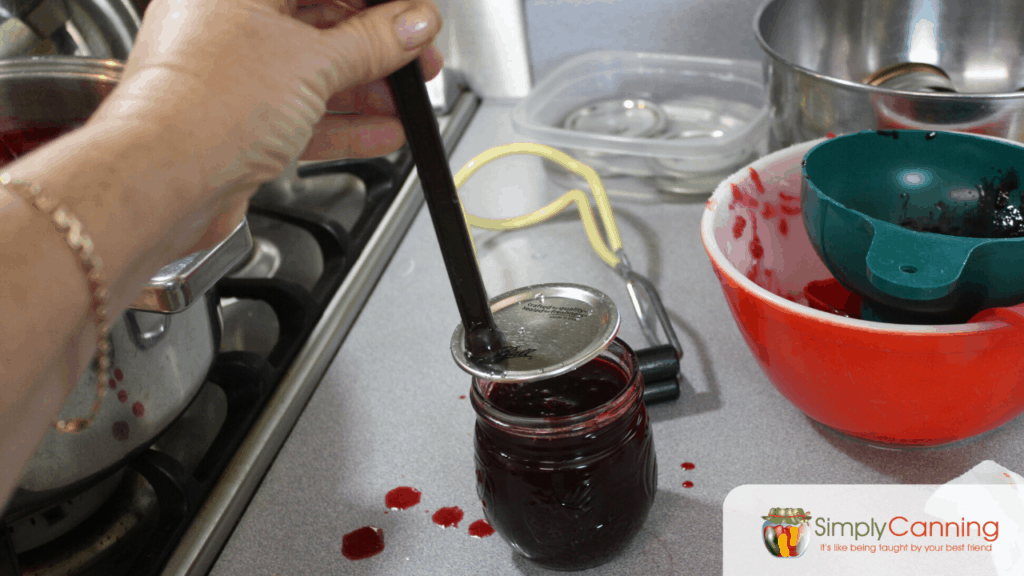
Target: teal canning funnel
[[925, 226]]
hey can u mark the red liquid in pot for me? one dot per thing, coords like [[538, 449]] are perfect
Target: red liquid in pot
[[574, 501], [27, 136]]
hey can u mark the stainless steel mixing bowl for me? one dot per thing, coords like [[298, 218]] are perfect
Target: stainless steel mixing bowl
[[820, 51]]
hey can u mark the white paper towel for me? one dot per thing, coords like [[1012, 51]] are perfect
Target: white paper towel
[[951, 503]]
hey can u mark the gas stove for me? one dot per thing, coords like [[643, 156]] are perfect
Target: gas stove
[[323, 233]]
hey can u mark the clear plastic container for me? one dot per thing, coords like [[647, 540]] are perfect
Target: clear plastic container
[[683, 123]]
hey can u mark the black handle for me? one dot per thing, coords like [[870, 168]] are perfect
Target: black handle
[[409, 90], [660, 368]]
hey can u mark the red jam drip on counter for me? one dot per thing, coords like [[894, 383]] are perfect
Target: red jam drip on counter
[[402, 498], [363, 543], [448, 517], [555, 499], [138, 410], [583, 389], [688, 466], [480, 529], [687, 484]]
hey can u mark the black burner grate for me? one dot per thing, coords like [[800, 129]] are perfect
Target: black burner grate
[[248, 379]]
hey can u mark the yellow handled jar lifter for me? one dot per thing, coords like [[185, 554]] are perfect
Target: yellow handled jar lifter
[[660, 362]]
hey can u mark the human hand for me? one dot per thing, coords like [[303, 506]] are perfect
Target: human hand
[[370, 125], [240, 88]]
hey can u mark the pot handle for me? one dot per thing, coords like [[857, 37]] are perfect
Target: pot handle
[[916, 265]]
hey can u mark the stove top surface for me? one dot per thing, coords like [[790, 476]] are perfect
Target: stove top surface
[[322, 232]]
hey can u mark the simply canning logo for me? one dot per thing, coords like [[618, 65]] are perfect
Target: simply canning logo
[[786, 532], [965, 535]]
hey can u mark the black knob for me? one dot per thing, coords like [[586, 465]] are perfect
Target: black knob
[[660, 368]]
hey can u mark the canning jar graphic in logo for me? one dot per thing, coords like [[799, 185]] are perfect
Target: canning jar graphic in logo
[[786, 532]]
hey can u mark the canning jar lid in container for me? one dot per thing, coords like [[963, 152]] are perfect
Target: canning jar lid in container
[[682, 122]]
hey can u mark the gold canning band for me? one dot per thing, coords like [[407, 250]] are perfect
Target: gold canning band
[[82, 247]]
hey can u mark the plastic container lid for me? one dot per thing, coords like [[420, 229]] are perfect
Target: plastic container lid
[[716, 110]]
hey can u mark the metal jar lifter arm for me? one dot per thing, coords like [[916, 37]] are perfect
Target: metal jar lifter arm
[[659, 363]]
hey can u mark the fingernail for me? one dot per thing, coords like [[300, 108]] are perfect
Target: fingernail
[[415, 27]]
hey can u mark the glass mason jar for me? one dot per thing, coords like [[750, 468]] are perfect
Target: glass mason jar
[[565, 466]]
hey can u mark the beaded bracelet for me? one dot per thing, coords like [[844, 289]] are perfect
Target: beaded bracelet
[[82, 247]]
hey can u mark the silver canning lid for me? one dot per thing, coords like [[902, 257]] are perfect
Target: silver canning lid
[[626, 117], [549, 329], [912, 77]]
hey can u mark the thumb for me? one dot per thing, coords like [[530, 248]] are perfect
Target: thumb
[[379, 40]]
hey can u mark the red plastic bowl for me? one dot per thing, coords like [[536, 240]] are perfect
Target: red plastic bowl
[[883, 383]]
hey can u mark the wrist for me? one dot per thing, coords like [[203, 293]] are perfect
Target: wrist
[[124, 187]]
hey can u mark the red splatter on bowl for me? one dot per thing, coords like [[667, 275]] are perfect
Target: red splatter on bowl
[[883, 383]]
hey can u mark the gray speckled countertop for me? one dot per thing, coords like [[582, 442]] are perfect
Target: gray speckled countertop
[[389, 411]]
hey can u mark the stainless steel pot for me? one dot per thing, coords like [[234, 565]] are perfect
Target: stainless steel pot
[[819, 52], [162, 347]]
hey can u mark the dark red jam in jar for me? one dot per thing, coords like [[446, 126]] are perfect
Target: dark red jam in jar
[[565, 466]]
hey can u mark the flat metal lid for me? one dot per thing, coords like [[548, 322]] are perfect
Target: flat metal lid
[[549, 329], [626, 117]]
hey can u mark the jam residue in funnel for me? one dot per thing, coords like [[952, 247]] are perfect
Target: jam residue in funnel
[[993, 217]]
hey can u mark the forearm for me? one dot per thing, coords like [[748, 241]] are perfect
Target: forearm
[[122, 186]]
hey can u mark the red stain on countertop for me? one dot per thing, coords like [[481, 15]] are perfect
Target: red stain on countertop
[[448, 517], [363, 543], [402, 498]]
